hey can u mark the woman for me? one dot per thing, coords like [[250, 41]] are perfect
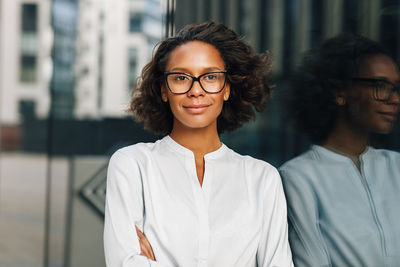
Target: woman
[[194, 201], [343, 195]]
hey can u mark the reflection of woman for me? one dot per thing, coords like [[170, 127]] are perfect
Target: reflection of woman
[[343, 196], [194, 201]]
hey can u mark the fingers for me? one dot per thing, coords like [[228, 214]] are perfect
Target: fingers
[[145, 247], [139, 233]]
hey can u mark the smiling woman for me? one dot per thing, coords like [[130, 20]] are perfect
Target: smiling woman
[[342, 194], [187, 199], [377, 96], [196, 108]]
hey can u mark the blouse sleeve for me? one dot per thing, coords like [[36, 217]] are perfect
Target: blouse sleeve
[[274, 249], [124, 209], [305, 237]]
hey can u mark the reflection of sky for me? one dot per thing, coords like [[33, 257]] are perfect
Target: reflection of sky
[[152, 18], [152, 28], [64, 16], [153, 8]]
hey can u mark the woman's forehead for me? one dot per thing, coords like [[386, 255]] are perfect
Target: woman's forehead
[[379, 65], [195, 55]]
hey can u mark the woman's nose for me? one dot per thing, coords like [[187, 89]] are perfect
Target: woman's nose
[[394, 98], [196, 89]]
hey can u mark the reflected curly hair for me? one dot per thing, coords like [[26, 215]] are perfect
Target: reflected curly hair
[[323, 72], [247, 74]]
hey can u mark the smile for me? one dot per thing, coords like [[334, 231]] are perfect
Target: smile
[[389, 116], [196, 109]]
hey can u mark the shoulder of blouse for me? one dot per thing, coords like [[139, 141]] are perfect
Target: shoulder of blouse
[[257, 167], [383, 153], [134, 152], [299, 161]]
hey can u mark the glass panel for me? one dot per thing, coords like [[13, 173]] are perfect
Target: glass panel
[[65, 70], [287, 29]]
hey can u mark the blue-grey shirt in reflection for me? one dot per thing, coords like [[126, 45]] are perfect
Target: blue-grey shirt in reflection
[[340, 216]]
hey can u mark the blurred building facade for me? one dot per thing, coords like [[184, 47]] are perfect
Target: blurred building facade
[[70, 60], [87, 53], [25, 53], [114, 40], [25, 64]]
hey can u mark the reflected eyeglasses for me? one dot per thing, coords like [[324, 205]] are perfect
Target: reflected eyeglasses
[[383, 89]]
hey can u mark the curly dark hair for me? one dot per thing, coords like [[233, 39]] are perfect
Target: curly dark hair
[[247, 74], [310, 99]]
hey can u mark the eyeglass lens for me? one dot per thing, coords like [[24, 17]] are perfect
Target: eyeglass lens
[[180, 83], [384, 90]]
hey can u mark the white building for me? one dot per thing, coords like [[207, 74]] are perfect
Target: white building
[[115, 40], [25, 59]]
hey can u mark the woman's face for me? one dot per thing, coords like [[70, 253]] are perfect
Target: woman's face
[[365, 112], [196, 108]]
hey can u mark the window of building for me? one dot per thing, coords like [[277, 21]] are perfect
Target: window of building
[[29, 17], [29, 43], [132, 67], [135, 22], [28, 68], [27, 108]]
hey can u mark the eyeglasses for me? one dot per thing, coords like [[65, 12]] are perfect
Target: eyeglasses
[[383, 89], [180, 83]]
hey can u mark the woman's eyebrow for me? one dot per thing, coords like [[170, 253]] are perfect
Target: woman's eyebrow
[[383, 78], [186, 70]]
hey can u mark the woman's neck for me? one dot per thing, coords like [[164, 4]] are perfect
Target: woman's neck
[[347, 139], [200, 141]]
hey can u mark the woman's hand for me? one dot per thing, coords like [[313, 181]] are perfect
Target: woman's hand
[[145, 247]]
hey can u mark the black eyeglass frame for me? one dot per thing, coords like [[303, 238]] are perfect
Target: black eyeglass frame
[[194, 79], [395, 88]]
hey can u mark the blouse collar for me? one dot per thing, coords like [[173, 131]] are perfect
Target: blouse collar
[[188, 153], [322, 151]]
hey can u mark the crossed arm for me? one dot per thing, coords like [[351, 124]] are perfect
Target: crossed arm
[[123, 244], [145, 247]]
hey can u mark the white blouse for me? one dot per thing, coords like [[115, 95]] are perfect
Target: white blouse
[[237, 218]]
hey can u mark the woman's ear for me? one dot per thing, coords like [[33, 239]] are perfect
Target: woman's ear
[[164, 94], [340, 98], [227, 92]]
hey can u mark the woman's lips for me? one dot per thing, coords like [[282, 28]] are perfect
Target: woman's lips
[[196, 109], [389, 116]]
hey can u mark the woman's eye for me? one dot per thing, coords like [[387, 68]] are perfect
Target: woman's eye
[[180, 78], [210, 77], [382, 85]]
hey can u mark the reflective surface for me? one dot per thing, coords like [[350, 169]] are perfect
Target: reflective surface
[[66, 67]]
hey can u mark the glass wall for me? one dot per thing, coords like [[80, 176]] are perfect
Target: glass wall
[[288, 29], [66, 69]]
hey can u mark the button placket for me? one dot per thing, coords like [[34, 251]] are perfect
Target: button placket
[[202, 213]]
